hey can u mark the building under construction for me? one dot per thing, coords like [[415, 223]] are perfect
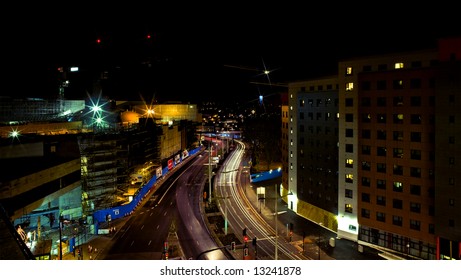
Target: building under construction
[[66, 165]]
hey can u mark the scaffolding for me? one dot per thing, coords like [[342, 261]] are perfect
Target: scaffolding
[[99, 167], [107, 159]]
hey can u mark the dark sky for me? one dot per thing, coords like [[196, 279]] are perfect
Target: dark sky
[[191, 45]]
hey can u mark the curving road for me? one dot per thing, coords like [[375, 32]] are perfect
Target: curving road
[[174, 205], [231, 183]]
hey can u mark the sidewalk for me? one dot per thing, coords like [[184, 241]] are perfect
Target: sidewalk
[[100, 244], [313, 233]]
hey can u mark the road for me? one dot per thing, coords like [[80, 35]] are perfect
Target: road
[[174, 206], [231, 183]]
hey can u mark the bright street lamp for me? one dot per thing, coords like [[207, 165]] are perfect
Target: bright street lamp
[[276, 221]]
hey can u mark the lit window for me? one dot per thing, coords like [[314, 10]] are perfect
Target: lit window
[[398, 186], [348, 208], [349, 70], [398, 65], [349, 162], [349, 178], [349, 86]]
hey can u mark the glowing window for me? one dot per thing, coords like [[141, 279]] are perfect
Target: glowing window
[[349, 86], [349, 178], [349, 70], [398, 65], [348, 208]]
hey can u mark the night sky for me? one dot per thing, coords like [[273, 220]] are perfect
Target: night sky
[[200, 52]]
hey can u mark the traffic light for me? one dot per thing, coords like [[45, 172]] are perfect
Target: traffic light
[[245, 252], [245, 239], [165, 246], [244, 231], [233, 245], [254, 241]]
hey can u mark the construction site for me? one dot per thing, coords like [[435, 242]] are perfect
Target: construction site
[[68, 160]]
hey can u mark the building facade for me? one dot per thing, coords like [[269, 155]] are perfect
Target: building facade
[[313, 149], [395, 136]]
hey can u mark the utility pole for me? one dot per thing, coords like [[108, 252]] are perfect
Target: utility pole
[[276, 227], [320, 224], [225, 211], [225, 217], [60, 237], [210, 149], [276, 215]]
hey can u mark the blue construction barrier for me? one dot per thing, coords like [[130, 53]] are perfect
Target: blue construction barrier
[[121, 211], [265, 175]]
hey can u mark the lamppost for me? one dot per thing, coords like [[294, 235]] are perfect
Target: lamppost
[[61, 220], [225, 211], [276, 221], [210, 150], [320, 224]]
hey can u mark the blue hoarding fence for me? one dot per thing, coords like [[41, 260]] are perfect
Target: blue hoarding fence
[[265, 175], [107, 215]]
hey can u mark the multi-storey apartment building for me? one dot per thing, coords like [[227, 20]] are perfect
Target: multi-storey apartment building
[[313, 149], [284, 143], [389, 105], [397, 181]]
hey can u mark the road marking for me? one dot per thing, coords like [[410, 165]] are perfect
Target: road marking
[[158, 226], [142, 227], [149, 242], [132, 242]]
